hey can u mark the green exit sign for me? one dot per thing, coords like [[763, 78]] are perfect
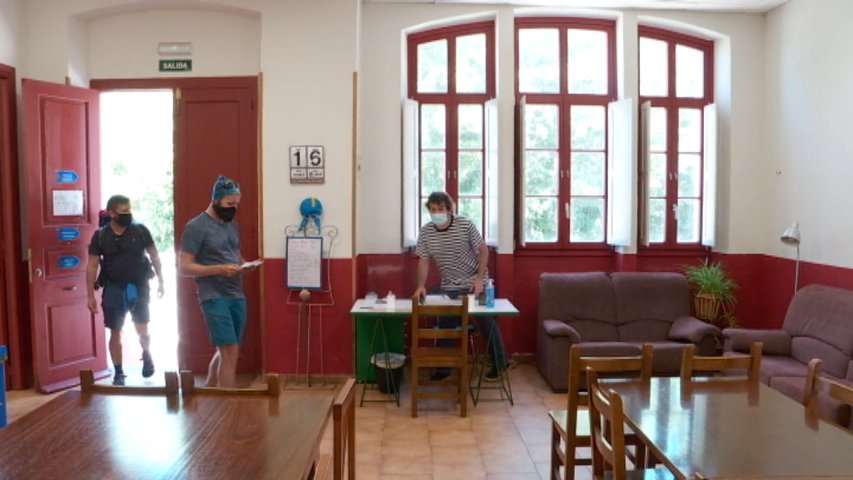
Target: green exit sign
[[176, 65]]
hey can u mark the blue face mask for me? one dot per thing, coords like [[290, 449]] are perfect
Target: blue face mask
[[438, 218]]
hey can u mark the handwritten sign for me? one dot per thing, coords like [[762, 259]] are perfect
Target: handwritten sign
[[68, 203], [304, 262]]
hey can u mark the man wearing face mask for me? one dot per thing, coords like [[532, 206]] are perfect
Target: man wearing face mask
[[210, 252], [462, 259], [119, 248]]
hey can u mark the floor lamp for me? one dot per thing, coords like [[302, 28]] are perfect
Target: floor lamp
[[791, 237]]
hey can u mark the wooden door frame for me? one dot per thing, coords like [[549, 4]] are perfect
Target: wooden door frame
[[15, 290], [212, 82]]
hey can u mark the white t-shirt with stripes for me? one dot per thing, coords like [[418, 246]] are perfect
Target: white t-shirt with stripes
[[454, 250]]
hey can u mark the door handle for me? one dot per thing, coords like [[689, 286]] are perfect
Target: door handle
[[38, 272], [70, 288]]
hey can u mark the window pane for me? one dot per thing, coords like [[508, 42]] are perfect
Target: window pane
[[689, 130], [470, 173], [538, 60], [540, 173], [541, 216], [587, 68], [653, 68], [472, 209], [541, 125], [471, 126], [587, 220], [432, 126], [471, 64], [432, 67], [657, 175], [689, 72], [658, 129], [688, 221], [657, 220], [587, 174], [689, 175], [432, 172], [588, 127]]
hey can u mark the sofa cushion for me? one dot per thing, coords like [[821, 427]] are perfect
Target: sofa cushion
[[576, 296], [780, 366], [805, 348], [691, 329], [823, 313], [609, 349], [646, 330], [792, 387], [650, 297]]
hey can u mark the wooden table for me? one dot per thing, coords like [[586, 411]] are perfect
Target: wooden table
[[100, 436], [733, 429]]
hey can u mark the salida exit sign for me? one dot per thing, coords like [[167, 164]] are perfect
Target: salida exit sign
[[176, 65]]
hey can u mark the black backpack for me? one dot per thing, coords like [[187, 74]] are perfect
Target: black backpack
[[146, 269]]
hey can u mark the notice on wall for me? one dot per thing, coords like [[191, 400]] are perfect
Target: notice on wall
[[68, 203], [304, 262]]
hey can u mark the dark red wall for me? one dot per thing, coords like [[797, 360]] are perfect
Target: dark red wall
[[766, 287]]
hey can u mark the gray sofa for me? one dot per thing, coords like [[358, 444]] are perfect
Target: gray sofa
[[614, 314], [818, 324]]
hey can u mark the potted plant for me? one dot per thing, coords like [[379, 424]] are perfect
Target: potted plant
[[715, 297]]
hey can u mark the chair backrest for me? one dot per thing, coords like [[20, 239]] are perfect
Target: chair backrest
[[343, 412], [691, 364], [456, 309], [188, 387], [88, 385], [638, 366], [607, 428], [816, 383]]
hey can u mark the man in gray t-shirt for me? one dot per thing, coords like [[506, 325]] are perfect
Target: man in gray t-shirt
[[210, 252]]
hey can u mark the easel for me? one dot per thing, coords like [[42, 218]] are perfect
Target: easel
[[312, 300]]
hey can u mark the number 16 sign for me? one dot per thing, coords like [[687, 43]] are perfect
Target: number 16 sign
[[307, 164]]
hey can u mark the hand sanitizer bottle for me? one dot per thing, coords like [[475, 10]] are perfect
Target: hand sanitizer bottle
[[490, 293], [390, 301]]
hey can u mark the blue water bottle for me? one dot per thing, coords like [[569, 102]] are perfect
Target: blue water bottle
[[490, 293]]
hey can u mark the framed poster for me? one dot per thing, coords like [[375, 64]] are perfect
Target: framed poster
[[304, 262]]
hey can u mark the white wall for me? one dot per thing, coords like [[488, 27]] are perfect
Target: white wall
[[10, 32], [739, 80], [305, 50], [809, 143]]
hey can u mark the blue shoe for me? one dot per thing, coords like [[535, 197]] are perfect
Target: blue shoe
[[147, 365]]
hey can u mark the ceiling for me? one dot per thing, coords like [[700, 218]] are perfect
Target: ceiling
[[702, 5]]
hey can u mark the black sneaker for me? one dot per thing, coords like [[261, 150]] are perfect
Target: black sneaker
[[439, 375], [119, 379], [147, 365], [492, 375]]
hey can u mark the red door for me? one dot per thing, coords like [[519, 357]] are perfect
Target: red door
[[63, 196], [217, 133]]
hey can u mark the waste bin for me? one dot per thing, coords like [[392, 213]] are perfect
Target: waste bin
[[388, 367], [2, 386]]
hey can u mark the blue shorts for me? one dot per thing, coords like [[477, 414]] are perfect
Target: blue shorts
[[226, 320]]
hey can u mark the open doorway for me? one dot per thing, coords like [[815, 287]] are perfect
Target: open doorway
[[137, 158]]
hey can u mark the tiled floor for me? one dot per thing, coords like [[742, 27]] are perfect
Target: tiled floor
[[495, 441]]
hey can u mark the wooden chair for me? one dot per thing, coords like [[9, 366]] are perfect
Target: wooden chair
[[572, 431], [88, 385], [816, 383], [692, 365], [426, 355], [188, 387], [607, 423], [342, 462]]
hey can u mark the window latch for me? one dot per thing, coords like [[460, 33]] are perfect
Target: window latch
[[568, 209]]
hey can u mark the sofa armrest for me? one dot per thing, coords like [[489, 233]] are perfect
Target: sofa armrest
[[691, 329], [776, 341], [556, 328]]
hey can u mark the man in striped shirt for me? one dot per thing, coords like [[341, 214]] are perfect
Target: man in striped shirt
[[462, 258]]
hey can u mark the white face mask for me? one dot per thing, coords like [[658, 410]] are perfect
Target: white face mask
[[438, 218]]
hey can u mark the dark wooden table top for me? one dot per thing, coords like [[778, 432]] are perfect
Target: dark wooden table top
[[98, 436], [733, 429]]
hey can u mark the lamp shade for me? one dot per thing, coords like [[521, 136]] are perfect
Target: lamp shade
[[791, 236]]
